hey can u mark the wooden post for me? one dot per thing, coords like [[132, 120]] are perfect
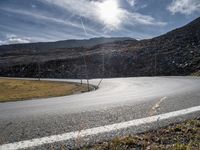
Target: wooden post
[[103, 69], [38, 64], [86, 70]]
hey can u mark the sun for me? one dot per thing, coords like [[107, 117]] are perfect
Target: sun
[[109, 12]]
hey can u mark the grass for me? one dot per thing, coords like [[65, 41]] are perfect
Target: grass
[[15, 90], [196, 73], [182, 136]]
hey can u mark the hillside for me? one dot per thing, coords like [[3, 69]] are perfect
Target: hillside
[[16, 54], [51, 46], [174, 53]]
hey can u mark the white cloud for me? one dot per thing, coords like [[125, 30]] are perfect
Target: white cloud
[[83, 8], [143, 19], [95, 22], [41, 16], [90, 10], [14, 39], [131, 2], [1, 42], [186, 7], [44, 17]]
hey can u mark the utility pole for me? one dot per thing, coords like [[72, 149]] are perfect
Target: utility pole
[[103, 68], [86, 70], [81, 75], [38, 64], [156, 59], [155, 65], [37, 67]]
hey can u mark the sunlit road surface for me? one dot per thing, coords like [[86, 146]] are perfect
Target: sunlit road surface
[[112, 110]]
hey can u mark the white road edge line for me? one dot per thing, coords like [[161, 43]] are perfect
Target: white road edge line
[[97, 130]]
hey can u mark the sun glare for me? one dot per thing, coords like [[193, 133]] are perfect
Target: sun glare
[[109, 13]]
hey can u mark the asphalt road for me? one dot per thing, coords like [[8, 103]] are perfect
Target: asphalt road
[[117, 100]]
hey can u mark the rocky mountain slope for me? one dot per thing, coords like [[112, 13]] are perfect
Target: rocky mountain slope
[[174, 53]]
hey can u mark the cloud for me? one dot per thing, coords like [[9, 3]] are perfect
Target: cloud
[[1, 42], [90, 10], [82, 8], [14, 39], [143, 19], [53, 19], [131, 2], [66, 19], [41, 16], [185, 7]]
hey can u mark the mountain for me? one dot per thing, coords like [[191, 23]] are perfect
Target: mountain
[[46, 46], [174, 53], [16, 54]]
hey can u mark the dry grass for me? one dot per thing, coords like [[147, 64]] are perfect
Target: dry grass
[[182, 136], [196, 73], [14, 90]]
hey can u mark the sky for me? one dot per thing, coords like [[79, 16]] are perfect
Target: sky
[[24, 21]]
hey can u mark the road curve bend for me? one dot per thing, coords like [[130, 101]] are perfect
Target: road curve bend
[[117, 100]]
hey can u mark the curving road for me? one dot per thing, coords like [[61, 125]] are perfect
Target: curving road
[[117, 100]]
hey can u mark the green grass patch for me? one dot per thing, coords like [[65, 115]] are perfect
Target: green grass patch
[[15, 90]]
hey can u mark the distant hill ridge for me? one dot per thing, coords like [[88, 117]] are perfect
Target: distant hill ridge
[[73, 43]]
